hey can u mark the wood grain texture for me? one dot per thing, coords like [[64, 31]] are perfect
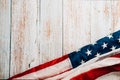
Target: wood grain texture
[[51, 29], [24, 46], [4, 38], [101, 19], [42, 30], [76, 24], [115, 15]]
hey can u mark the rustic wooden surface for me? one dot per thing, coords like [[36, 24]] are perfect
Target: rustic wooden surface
[[36, 31], [5, 11]]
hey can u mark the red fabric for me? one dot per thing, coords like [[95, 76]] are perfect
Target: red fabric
[[116, 55], [42, 66], [95, 73]]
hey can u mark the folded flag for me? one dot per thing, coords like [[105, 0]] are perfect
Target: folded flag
[[97, 69], [72, 60], [73, 71]]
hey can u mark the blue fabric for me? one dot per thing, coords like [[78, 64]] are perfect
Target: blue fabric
[[103, 45]]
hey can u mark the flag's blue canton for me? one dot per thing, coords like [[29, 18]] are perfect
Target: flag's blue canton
[[103, 45]]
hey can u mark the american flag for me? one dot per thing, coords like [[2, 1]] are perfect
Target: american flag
[[88, 63]]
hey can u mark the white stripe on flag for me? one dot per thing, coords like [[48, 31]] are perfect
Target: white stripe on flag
[[97, 72], [49, 71], [85, 64], [46, 70], [103, 63]]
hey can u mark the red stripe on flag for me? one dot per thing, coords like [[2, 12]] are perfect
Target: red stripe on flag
[[109, 61], [95, 73], [116, 55], [42, 66]]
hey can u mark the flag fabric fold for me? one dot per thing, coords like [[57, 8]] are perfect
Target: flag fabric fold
[[45, 70], [95, 73], [101, 57], [67, 64], [97, 69]]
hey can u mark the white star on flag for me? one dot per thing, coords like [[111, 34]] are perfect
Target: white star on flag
[[82, 61], [88, 52], [113, 48], [97, 55], [110, 36], [104, 45]]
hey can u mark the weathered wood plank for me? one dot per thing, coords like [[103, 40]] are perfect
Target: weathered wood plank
[[24, 46], [76, 24], [101, 19], [115, 15], [51, 29], [4, 38]]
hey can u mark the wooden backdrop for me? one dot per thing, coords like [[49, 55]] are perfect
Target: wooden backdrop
[[35, 31]]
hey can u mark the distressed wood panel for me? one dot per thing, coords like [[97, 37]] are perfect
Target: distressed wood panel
[[25, 26], [76, 24], [101, 19], [115, 15], [46, 29], [51, 29], [4, 38]]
